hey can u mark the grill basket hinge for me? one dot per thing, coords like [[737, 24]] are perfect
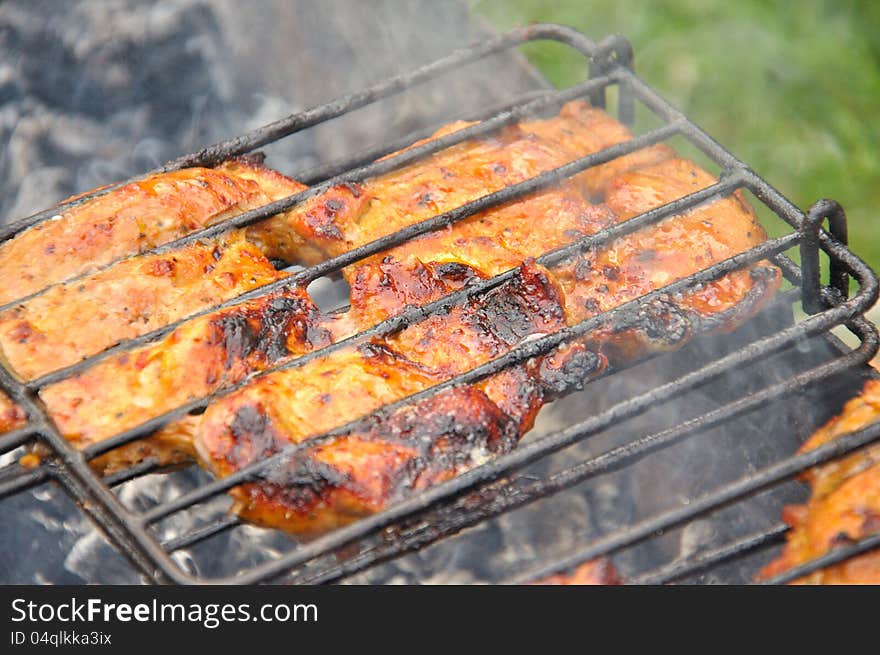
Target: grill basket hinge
[[614, 51], [811, 280]]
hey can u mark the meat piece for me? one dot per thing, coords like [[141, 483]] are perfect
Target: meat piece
[[132, 219], [130, 298], [650, 258], [595, 572], [357, 214], [844, 504], [202, 355], [581, 130], [389, 456], [316, 222], [12, 416], [501, 239], [603, 278], [329, 485], [369, 469]]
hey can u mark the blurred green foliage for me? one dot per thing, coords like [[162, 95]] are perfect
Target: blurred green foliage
[[792, 88]]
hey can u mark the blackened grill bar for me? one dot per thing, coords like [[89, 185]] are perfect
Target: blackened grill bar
[[465, 512], [391, 164], [324, 172], [296, 122], [516, 356], [726, 495], [690, 566], [336, 264], [451, 503], [836, 556]]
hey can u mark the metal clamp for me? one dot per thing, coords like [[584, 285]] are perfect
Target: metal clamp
[[613, 51], [811, 279]]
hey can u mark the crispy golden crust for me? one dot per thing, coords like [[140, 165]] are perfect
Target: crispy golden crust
[[650, 258], [350, 216], [316, 231], [363, 472], [332, 484], [595, 572], [433, 440], [199, 357], [132, 219], [844, 505], [130, 298], [12, 416], [581, 130]]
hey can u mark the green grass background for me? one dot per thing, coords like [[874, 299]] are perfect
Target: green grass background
[[792, 88]]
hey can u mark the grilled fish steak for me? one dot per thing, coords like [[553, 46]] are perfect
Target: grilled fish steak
[[844, 504], [389, 455]]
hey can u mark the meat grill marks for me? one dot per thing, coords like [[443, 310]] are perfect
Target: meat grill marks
[[844, 505], [352, 215], [133, 219], [364, 469], [201, 356], [332, 484], [130, 298], [374, 465]]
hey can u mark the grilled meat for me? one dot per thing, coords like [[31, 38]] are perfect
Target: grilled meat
[[358, 473], [353, 215], [12, 416], [131, 297], [387, 457], [595, 572], [844, 504], [201, 356], [132, 219]]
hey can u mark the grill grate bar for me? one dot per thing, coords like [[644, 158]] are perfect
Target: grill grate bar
[[21, 479], [128, 531], [755, 483], [836, 556], [15, 438], [513, 192], [323, 172], [299, 121], [693, 565], [518, 355], [145, 467], [202, 533]]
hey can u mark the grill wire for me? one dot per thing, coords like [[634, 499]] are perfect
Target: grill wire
[[484, 492]]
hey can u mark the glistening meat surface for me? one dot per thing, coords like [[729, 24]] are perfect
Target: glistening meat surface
[[385, 457], [132, 219], [132, 297], [844, 504]]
